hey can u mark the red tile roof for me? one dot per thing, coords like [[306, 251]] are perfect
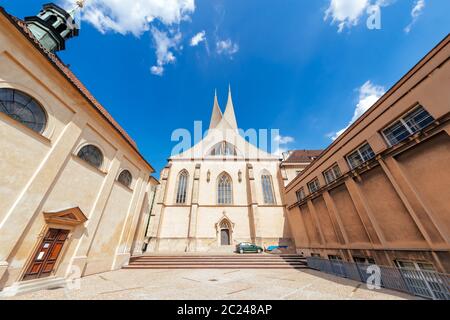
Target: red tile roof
[[65, 71], [302, 156]]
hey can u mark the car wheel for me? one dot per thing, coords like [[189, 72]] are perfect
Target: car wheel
[[259, 251], [241, 251]]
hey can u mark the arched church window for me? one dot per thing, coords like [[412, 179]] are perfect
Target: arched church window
[[224, 190], [92, 155], [23, 108], [182, 187], [267, 187], [125, 178], [223, 149]]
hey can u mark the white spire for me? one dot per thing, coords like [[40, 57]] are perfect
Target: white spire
[[229, 115], [216, 116]]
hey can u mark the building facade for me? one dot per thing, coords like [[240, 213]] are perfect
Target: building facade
[[380, 192], [295, 161], [220, 192], [74, 187]]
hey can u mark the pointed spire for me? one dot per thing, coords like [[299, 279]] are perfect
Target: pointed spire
[[229, 115], [216, 116]]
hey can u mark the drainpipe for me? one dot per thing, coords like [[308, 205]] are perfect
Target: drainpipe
[[144, 247]]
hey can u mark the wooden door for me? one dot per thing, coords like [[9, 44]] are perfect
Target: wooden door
[[225, 237], [45, 258]]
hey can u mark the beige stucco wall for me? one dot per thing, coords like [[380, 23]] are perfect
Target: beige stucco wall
[[41, 173]]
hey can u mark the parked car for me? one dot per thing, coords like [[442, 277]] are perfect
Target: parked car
[[248, 247]]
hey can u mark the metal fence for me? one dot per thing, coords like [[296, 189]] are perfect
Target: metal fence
[[426, 284]]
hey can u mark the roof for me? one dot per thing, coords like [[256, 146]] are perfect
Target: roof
[[302, 156], [76, 83]]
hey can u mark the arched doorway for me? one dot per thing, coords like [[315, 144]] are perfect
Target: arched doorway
[[225, 233]]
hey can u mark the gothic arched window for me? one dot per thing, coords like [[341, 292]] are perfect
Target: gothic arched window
[[92, 155], [224, 189], [125, 178], [267, 187], [23, 108], [182, 187], [223, 149]]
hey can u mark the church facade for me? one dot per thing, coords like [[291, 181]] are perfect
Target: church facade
[[219, 193]]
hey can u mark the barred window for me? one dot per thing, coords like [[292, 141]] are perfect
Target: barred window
[[267, 186], [300, 195], [314, 185], [182, 187], [360, 155], [23, 108], [407, 126], [224, 190], [92, 155], [125, 178], [223, 149], [332, 174]]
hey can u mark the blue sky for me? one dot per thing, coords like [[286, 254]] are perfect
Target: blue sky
[[305, 67]]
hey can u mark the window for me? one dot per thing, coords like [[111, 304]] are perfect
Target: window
[[300, 195], [334, 257], [316, 255], [359, 156], [332, 174], [267, 186], [21, 107], [407, 126], [223, 149], [314, 185], [412, 265], [92, 155], [125, 178], [363, 260], [182, 187], [224, 190]]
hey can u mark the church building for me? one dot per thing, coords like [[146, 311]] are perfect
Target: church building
[[221, 192]]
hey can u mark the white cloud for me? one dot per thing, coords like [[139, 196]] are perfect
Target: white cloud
[[347, 13], [279, 144], [164, 43], [226, 47], [134, 16], [199, 37], [416, 11], [368, 95], [137, 17], [283, 139]]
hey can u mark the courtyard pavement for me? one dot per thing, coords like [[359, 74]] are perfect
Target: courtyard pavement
[[216, 284]]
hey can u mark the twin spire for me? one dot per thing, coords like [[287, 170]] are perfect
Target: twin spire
[[227, 120]]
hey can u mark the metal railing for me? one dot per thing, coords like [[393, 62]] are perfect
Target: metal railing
[[425, 284]]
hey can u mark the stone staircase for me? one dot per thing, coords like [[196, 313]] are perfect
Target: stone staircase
[[218, 261]]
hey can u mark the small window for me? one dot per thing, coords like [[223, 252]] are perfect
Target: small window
[[360, 155], [407, 126], [23, 108], [267, 186], [125, 178], [223, 149], [300, 195], [314, 185], [332, 174], [363, 260], [334, 257], [316, 255], [92, 155], [182, 187]]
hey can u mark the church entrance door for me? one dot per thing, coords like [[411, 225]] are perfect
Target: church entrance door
[[225, 237], [45, 258]]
